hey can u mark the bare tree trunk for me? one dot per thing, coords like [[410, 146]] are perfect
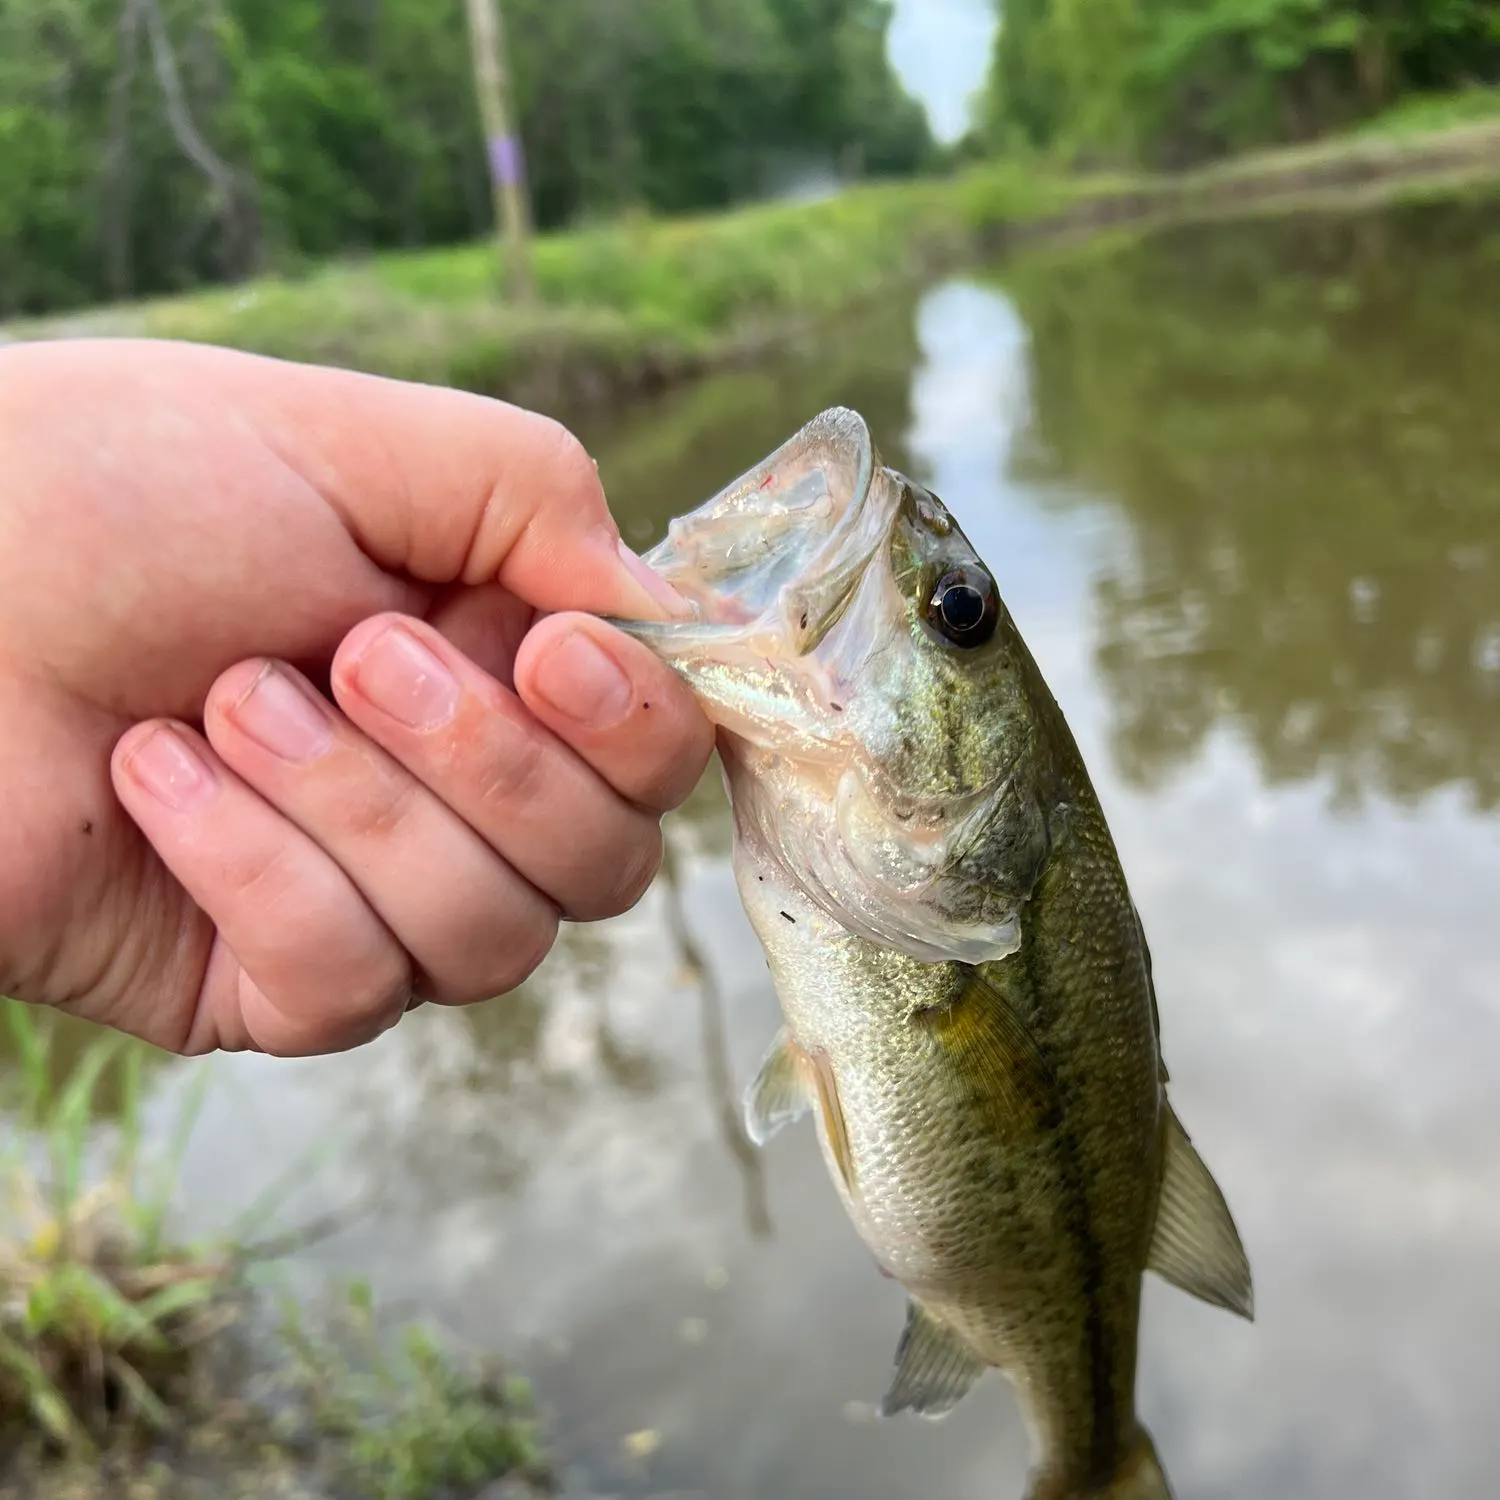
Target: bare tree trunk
[[235, 219], [118, 196], [492, 85]]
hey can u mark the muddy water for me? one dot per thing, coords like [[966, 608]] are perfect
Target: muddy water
[[1241, 489]]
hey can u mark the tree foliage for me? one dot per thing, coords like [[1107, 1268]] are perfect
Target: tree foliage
[[1169, 82], [147, 145]]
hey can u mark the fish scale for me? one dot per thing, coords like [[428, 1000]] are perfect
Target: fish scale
[[969, 1009]]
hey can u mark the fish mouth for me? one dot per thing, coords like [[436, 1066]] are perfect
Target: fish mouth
[[770, 562]]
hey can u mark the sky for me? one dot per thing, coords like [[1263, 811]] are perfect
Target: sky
[[941, 49]]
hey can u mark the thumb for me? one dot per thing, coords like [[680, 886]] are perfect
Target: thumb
[[449, 487]]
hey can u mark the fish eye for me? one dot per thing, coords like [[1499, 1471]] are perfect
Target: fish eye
[[964, 606]]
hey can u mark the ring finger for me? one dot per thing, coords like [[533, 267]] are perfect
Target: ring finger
[[473, 926]]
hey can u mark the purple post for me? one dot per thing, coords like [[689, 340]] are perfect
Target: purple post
[[505, 160]]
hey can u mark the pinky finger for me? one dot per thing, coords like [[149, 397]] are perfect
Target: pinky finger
[[301, 964]]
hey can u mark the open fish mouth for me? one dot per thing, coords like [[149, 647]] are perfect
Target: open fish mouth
[[830, 705], [770, 562]]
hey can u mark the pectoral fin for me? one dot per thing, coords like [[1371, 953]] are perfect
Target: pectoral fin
[[987, 1043], [782, 1091], [789, 1083], [934, 1369], [1196, 1246]]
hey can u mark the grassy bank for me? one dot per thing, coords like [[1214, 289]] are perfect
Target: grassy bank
[[135, 1363], [633, 306]]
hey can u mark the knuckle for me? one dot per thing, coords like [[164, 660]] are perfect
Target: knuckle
[[617, 878], [370, 991], [637, 871], [387, 988], [305, 932], [516, 769], [524, 954], [672, 763], [499, 962], [569, 460], [378, 816], [666, 786], [263, 879]]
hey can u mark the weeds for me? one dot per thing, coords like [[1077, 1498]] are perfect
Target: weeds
[[413, 1425], [99, 1313], [125, 1356]]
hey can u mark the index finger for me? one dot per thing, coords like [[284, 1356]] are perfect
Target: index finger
[[629, 715]]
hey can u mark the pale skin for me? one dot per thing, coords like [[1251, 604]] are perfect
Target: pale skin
[[304, 714]]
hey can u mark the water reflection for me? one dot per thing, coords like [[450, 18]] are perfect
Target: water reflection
[[696, 440], [724, 1095], [1228, 507], [1297, 419]]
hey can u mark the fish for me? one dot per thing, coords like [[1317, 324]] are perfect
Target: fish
[[969, 1013]]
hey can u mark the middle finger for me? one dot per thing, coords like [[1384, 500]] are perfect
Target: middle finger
[[477, 746]]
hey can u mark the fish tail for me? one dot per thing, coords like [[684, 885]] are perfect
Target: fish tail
[[1139, 1476]]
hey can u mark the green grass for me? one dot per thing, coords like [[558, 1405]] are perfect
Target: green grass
[[129, 1361], [99, 1311], [620, 306], [637, 304], [408, 1424], [1424, 114]]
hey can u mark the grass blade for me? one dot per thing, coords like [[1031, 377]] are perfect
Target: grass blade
[[140, 1394], [73, 1113], [31, 1033], [151, 1215], [43, 1398]]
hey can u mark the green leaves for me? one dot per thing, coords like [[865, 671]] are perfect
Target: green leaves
[[354, 127], [1170, 82]]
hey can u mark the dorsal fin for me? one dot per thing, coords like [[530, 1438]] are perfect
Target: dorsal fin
[[1196, 1246]]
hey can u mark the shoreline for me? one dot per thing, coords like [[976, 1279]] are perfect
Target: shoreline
[[628, 310]]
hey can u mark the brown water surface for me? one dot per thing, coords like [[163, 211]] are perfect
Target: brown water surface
[[1241, 489]]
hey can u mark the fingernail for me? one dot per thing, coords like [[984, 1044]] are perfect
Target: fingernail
[[279, 716], [580, 679], [171, 770], [654, 584], [398, 674]]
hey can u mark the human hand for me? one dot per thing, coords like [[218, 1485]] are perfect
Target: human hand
[[283, 743]]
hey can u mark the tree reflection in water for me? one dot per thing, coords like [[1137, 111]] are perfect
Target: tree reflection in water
[[1298, 422]]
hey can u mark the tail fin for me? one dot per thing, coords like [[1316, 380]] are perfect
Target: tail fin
[[1139, 1477]]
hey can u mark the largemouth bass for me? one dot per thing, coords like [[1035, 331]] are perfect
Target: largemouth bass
[[965, 983]]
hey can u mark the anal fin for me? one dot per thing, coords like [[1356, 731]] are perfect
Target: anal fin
[[934, 1368], [1196, 1246], [781, 1091]]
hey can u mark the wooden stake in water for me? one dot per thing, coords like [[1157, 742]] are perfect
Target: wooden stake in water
[[507, 172]]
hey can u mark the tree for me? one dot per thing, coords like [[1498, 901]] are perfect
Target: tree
[[147, 145], [1170, 82]]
